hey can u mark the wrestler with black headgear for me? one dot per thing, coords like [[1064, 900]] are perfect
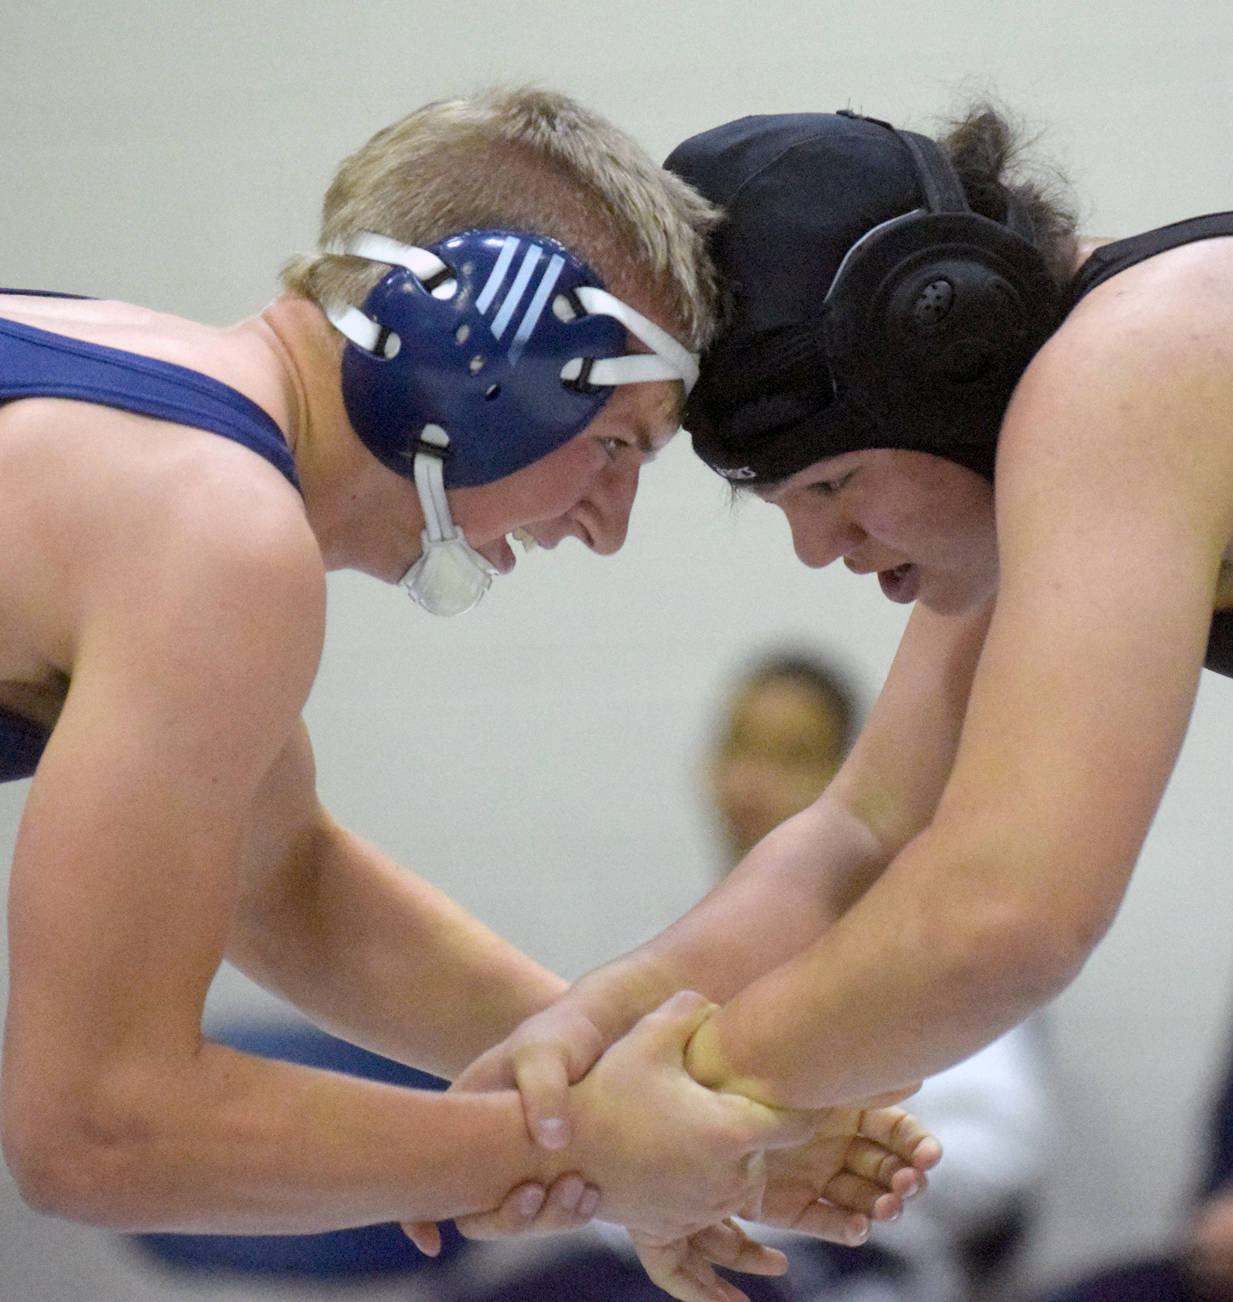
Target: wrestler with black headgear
[[1029, 436]]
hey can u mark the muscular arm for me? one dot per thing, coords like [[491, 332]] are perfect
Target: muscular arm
[[189, 623], [191, 650], [1113, 512]]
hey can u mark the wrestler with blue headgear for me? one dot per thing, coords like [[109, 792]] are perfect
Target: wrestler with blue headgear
[[518, 293]]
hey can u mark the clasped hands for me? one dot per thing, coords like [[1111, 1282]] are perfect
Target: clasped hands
[[629, 1135]]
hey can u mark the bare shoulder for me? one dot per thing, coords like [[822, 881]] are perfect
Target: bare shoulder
[[209, 546], [170, 572], [1181, 276], [1139, 377], [1176, 305], [110, 494], [1115, 467]]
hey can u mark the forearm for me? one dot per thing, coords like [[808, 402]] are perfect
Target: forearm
[[381, 957], [213, 1140], [926, 968], [237, 1144], [776, 903], [991, 909]]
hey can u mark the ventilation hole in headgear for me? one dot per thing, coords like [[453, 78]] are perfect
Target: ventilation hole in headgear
[[463, 333], [564, 309], [443, 286], [476, 364], [933, 303], [492, 392]]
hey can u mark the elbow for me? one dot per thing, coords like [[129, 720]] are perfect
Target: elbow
[[1023, 953], [80, 1164], [41, 1172], [1013, 924]]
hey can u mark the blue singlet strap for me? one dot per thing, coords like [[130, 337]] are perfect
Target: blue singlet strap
[[38, 363]]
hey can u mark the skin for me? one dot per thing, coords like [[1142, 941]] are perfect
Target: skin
[[1022, 740], [164, 607], [883, 510], [781, 746], [1208, 1248]]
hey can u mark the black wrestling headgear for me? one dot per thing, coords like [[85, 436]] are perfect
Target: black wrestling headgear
[[871, 308]]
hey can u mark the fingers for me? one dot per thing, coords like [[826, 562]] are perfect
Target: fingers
[[683, 1272], [562, 1049], [490, 1071], [568, 1204], [425, 1235], [728, 1245], [887, 1170], [900, 1132], [907, 1182], [864, 1197], [874, 1182], [542, 1077], [671, 1024], [755, 1184], [823, 1220], [684, 1269]]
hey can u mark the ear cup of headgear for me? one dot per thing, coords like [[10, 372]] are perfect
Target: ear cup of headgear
[[930, 322], [478, 352]]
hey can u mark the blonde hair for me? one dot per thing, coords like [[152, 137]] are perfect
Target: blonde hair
[[530, 160]]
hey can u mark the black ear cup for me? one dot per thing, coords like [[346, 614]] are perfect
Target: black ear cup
[[932, 318]]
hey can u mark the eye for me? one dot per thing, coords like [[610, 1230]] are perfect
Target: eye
[[829, 487], [613, 447]]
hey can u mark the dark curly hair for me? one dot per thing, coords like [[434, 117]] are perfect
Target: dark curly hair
[[989, 151]]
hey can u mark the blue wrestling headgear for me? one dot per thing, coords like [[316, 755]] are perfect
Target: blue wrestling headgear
[[476, 357], [872, 308], [494, 338]]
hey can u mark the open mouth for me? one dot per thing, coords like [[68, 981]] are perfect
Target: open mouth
[[902, 584]]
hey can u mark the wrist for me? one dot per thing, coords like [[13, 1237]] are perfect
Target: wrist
[[707, 1062], [616, 995]]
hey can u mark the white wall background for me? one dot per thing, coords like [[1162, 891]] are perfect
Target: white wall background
[[538, 758]]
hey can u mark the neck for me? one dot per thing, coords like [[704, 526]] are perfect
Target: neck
[[364, 516]]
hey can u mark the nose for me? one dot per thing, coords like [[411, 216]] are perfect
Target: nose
[[820, 535], [611, 503]]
